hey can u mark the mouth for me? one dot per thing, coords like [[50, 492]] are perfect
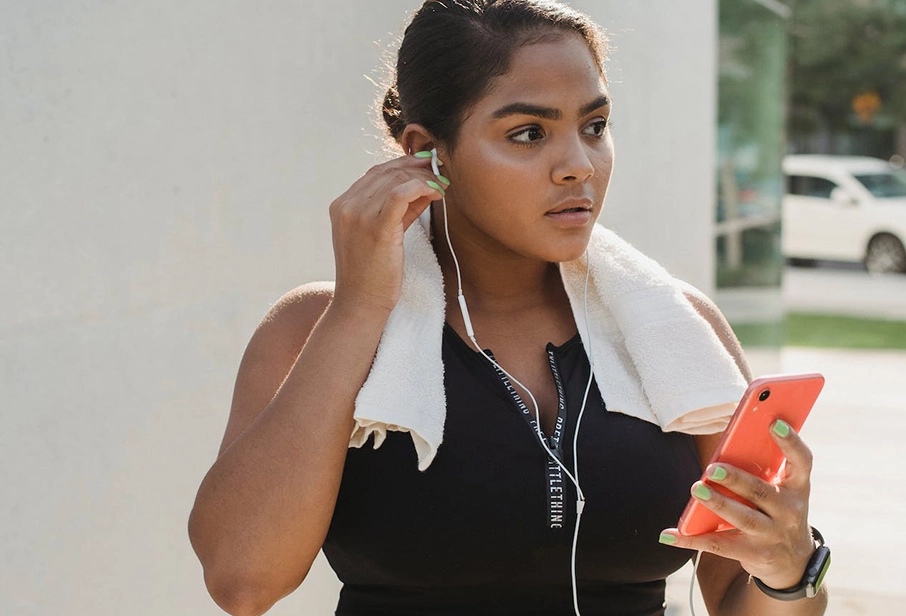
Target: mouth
[[571, 206]]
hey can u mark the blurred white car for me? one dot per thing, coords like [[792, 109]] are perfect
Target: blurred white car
[[845, 208]]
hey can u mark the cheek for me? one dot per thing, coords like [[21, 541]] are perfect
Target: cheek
[[492, 179], [498, 162], [605, 162]]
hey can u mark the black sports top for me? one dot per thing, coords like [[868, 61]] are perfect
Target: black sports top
[[488, 527]]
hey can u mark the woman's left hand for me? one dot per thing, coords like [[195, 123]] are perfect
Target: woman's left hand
[[773, 542]]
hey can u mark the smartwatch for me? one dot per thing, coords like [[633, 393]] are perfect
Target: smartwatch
[[811, 581]]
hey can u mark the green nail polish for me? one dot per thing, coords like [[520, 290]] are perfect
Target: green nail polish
[[702, 492], [437, 187], [718, 473], [667, 539], [781, 428], [443, 180], [423, 154]]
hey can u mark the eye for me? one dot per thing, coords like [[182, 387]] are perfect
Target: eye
[[527, 135], [597, 128]]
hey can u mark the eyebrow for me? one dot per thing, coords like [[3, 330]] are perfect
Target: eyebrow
[[546, 113]]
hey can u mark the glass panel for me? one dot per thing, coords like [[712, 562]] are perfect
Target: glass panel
[[808, 186], [885, 185], [751, 143]]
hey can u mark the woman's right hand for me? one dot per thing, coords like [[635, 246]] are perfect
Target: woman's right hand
[[368, 223]]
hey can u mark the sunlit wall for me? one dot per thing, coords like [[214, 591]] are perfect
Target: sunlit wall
[[165, 169]]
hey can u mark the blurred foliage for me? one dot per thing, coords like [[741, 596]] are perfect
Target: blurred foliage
[[762, 263], [752, 59], [843, 54], [752, 68]]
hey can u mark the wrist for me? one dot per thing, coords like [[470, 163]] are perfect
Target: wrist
[[362, 313], [810, 580], [788, 578]]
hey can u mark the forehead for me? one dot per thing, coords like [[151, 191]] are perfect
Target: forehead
[[559, 73]]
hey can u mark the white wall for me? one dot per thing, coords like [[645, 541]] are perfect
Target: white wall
[[165, 170], [664, 84]]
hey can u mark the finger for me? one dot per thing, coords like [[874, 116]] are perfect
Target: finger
[[381, 174], [763, 495], [725, 543], [368, 198], [418, 159], [379, 191], [428, 154], [406, 201], [798, 468], [740, 515]]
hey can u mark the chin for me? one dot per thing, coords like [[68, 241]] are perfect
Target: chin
[[570, 250]]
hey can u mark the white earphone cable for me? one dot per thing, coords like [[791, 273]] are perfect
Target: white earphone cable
[[698, 558], [580, 505], [574, 478]]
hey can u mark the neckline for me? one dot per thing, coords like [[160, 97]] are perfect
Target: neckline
[[550, 346]]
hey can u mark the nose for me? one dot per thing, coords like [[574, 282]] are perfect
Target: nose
[[573, 163]]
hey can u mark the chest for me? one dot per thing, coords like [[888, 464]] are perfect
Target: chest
[[529, 363], [491, 508]]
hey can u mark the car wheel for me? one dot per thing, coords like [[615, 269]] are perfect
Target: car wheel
[[885, 254]]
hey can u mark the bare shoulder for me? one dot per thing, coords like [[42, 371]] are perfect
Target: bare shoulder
[[706, 307], [296, 313], [272, 351], [709, 311]]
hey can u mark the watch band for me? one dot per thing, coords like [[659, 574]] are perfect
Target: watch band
[[811, 580]]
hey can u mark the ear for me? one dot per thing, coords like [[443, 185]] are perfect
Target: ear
[[417, 138]]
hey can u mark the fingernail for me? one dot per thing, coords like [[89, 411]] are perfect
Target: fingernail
[[702, 492], [781, 428], [667, 539], [443, 180], [437, 187], [422, 154], [718, 473]]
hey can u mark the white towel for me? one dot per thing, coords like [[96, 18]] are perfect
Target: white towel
[[655, 357]]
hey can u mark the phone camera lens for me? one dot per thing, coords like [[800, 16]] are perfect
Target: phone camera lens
[[764, 395]]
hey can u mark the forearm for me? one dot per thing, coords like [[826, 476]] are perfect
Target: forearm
[[743, 598], [264, 508]]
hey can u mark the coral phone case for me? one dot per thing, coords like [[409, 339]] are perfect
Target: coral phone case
[[747, 442]]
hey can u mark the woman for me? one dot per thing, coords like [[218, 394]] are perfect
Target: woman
[[511, 96]]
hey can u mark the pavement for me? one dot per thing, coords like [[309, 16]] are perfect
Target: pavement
[[829, 288], [841, 289]]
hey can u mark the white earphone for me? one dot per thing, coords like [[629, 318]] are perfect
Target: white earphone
[[573, 477]]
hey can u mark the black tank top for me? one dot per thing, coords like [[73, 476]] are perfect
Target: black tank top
[[488, 527]]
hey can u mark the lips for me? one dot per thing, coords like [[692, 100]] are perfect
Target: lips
[[571, 206]]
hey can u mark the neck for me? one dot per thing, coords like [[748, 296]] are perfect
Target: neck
[[496, 281]]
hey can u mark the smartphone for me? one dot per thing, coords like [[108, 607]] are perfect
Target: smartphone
[[747, 443]]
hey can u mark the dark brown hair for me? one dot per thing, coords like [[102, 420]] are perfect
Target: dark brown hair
[[453, 49]]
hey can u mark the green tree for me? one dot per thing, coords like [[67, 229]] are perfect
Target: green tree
[[841, 49]]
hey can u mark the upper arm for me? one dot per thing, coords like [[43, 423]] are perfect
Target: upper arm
[[716, 574], [272, 351], [712, 314]]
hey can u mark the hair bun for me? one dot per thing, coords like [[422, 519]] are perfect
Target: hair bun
[[393, 113]]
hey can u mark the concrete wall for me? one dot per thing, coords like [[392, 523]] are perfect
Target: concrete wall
[[165, 170]]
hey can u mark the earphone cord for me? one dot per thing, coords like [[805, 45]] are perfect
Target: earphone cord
[[580, 502], [698, 558]]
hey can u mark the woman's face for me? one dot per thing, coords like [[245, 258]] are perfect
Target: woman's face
[[533, 158]]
